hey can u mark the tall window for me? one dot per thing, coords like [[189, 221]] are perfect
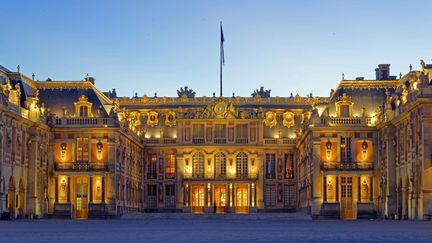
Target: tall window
[[83, 111], [289, 166], [242, 164], [198, 165], [82, 149], [270, 166], [242, 131], [345, 149], [152, 166], [170, 166], [198, 131], [220, 164], [345, 111], [220, 131]]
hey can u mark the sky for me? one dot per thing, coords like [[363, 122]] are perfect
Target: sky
[[160, 46]]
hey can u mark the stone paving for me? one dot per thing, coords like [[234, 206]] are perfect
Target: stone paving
[[214, 228]]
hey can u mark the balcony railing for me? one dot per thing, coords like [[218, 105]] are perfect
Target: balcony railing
[[345, 121], [278, 141], [346, 166], [82, 166], [222, 177], [84, 122]]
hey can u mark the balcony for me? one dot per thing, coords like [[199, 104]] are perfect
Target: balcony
[[279, 141], [345, 166], [345, 121], [84, 122], [82, 166], [221, 177]]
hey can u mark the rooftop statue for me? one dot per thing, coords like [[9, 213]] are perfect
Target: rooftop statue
[[262, 93], [186, 91]]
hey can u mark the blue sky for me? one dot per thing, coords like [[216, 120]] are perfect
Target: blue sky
[[160, 46]]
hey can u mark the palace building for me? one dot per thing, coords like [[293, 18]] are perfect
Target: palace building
[[68, 150]]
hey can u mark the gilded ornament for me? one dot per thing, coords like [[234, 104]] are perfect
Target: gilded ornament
[[152, 118], [288, 119], [270, 119], [170, 119]]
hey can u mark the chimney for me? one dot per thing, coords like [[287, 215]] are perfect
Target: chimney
[[359, 78], [382, 72]]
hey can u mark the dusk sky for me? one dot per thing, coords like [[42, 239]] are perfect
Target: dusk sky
[[160, 46]]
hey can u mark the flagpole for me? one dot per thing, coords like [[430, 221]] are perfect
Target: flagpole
[[220, 59]]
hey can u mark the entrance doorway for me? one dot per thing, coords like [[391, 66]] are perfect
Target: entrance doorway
[[81, 197], [198, 194], [347, 209], [220, 197], [242, 198]]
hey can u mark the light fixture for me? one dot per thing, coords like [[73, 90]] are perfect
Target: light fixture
[[63, 147], [328, 148], [99, 147], [364, 149]]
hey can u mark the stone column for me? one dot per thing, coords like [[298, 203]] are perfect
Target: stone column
[[317, 194], [68, 189], [91, 189], [325, 188], [103, 189], [32, 175], [390, 180]]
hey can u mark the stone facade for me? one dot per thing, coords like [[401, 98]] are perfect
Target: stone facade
[[69, 150]]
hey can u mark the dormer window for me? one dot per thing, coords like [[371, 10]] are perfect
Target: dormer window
[[83, 112], [344, 106], [83, 107]]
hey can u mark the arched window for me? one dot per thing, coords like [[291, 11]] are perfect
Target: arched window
[[83, 111], [198, 165], [242, 164], [220, 164]]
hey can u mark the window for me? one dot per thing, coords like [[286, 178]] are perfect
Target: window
[[289, 166], [198, 131], [242, 165], [82, 149], [220, 131], [242, 131], [270, 166], [270, 195], [170, 195], [289, 195], [198, 165], [220, 164], [344, 111], [345, 149], [151, 190], [170, 166], [170, 190], [152, 166], [83, 111]]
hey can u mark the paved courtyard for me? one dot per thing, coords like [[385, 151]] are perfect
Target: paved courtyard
[[215, 228]]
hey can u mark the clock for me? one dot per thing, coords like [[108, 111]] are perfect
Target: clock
[[220, 108]]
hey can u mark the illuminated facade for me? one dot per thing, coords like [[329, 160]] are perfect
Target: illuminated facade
[[69, 150]]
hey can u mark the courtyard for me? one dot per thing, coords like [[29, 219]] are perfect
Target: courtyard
[[215, 228]]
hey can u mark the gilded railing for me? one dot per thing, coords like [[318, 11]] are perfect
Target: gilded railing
[[346, 166], [84, 121], [82, 166]]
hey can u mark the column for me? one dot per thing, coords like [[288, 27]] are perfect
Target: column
[[103, 189], [371, 189], [32, 175], [56, 189], [325, 188], [337, 188], [390, 181], [91, 189], [68, 188], [358, 189], [317, 194]]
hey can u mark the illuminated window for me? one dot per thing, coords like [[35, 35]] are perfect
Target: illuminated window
[[82, 149], [198, 165], [289, 166], [242, 165], [220, 164], [152, 166], [270, 166], [170, 166], [345, 149]]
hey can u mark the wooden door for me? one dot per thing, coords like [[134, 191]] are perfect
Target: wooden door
[[347, 209], [220, 197], [81, 202], [198, 196], [242, 198]]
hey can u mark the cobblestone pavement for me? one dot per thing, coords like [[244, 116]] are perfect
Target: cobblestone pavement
[[214, 228]]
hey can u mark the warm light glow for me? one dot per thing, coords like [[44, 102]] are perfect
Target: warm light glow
[[276, 136], [293, 136], [147, 136]]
